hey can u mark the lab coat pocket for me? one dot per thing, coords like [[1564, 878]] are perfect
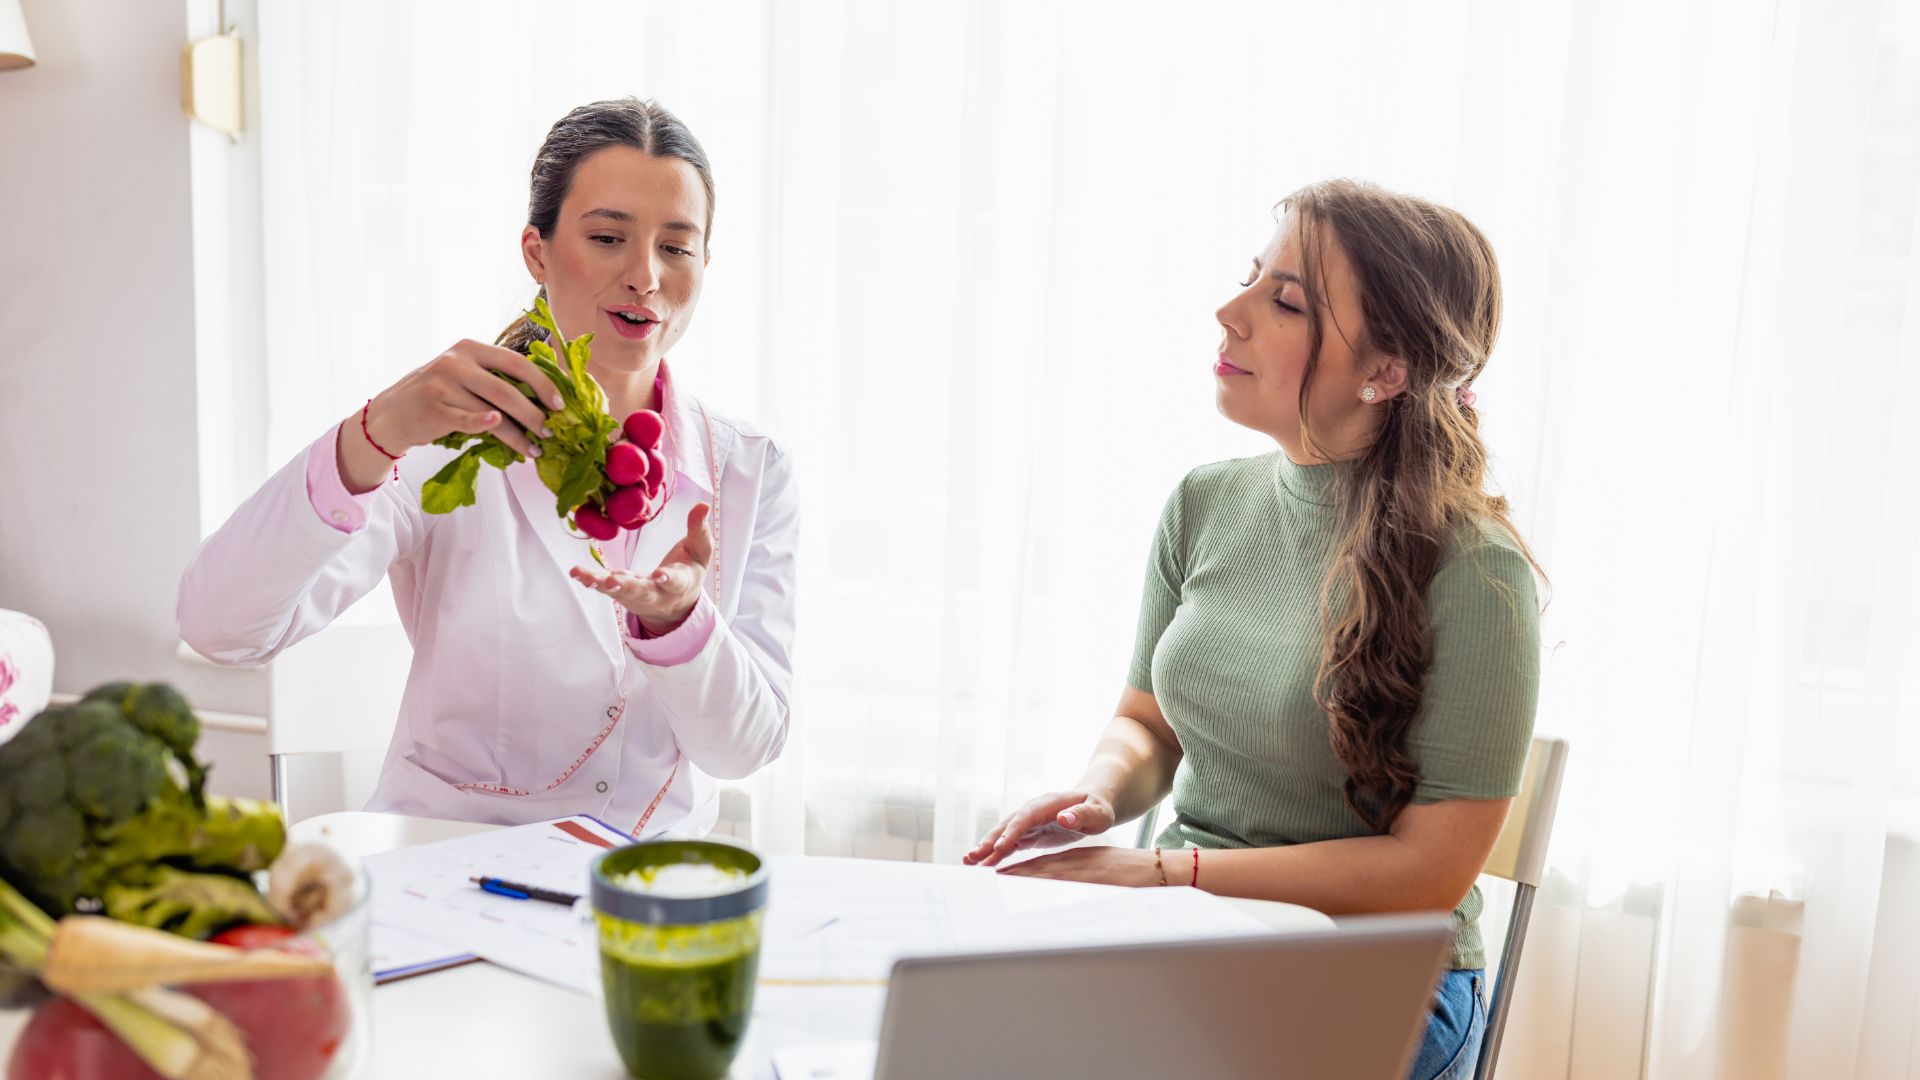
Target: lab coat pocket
[[408, 787]]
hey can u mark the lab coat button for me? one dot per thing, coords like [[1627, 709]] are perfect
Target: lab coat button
[[601, 787]]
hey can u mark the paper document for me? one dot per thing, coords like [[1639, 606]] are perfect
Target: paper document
[[428, 914], [425, 894], [879, 917], [884, 916], [1133, 917], [398, 953], [575, 961], [827, 1061]]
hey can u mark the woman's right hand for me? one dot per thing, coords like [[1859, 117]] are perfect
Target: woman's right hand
[[1052, 820], [455, 391]]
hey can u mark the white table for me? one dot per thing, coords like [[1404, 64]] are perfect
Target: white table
[[478, 1019]]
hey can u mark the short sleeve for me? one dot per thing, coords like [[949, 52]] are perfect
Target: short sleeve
[[1166, 570], [1475, 726]]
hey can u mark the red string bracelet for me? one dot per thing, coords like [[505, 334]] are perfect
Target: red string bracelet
[[1196, 869], [395, 458]]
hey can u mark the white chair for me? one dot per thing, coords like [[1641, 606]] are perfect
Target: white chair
[[1147, 822], [1519, 856], [334, 701]]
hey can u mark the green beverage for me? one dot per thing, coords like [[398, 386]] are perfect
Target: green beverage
[[680, 924]]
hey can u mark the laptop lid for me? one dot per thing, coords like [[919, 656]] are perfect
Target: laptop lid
[[1351, 1002]]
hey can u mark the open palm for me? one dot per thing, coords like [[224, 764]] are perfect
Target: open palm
[[664, 598]]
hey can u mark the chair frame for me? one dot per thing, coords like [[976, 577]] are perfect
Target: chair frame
[[1520, 856]]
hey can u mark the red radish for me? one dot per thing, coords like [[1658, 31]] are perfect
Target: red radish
[[644, 428], [293, 1027], [656, 470], [627, 506], [594, 523], [626, 465]]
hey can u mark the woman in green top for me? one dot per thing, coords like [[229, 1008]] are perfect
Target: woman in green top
[[1338, 654]]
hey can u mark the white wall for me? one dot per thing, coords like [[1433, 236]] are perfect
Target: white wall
[[99, 506]]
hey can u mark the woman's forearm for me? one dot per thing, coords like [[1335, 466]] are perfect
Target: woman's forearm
[[1340, 877], [727, 714], [1131, 767], [363, 467], [275, 572]]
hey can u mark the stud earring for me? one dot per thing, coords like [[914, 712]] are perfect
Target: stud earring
[[1368, 393]]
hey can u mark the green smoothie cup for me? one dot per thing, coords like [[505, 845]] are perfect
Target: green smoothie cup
[[680, 925]]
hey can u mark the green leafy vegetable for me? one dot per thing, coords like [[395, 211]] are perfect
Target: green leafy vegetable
[[572, 461], [93, 813], [192, 905]]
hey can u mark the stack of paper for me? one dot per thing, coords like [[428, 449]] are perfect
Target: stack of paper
[[428, 913], [882, 915]]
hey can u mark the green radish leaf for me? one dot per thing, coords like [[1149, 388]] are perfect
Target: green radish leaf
[[452, 487], [552, 466], [543, 357], [542, 317], [498, 454], [576, 360], [572, 428], [526, 390], [582, 479]]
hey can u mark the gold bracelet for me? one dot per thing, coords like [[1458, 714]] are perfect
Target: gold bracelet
[[1158, 866]]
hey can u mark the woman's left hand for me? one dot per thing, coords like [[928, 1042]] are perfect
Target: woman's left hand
[[664, 598], [1101, 865]]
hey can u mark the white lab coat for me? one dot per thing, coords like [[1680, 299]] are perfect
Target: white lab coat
[[512, 705]]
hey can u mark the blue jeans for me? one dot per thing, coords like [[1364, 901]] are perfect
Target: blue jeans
[[1454, 1028]]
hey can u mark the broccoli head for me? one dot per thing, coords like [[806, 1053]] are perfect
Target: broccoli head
[[99, 796], [162, 712]]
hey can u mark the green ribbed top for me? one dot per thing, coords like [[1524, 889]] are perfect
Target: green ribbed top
[[1229, 641]]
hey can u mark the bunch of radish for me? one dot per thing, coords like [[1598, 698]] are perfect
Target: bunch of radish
[[636, 472]]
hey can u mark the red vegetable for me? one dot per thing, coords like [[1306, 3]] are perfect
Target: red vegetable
[[644, 428], [594, 523], [64, 1042], [627, 506], [656, 470], [255, 936], [626, 465], [294, 1027]]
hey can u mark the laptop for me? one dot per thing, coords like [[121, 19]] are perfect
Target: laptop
[[1350, 1003]]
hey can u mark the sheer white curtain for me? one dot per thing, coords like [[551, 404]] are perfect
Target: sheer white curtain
[[965, 262]]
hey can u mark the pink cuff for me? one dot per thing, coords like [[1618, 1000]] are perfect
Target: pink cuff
[[336, 506], [678, 645]]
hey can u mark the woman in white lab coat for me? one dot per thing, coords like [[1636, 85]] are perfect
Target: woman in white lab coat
[[542, 685]]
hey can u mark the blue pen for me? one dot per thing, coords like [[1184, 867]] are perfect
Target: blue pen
[[517, 891]]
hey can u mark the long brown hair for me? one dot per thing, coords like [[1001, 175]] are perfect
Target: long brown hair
[[643, 125], [1430, 294]]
